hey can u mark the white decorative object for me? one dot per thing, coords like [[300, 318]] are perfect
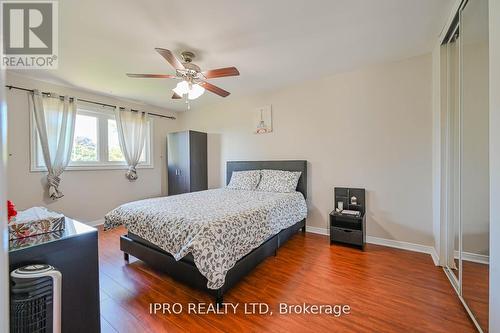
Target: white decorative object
[[263, 120], [340, 205]]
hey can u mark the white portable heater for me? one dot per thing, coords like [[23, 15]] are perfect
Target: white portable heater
[[35, 304]]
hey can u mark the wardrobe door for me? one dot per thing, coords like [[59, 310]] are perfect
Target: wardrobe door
[[183, 174], [198, 161], [178, 163], [172, 157], [474, 205]]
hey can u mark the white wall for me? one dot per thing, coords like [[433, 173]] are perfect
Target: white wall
[[494, 45], [4, 243], [88, 195], [369, 128]]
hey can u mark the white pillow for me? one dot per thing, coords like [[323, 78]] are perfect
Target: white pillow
[[279, 181], [244, 180]]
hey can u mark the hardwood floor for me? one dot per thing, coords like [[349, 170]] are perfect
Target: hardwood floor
[[388, 290]]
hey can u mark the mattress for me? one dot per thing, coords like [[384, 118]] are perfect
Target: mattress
[[217, 227]]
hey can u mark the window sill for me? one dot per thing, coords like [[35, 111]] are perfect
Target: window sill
[[93, 168]]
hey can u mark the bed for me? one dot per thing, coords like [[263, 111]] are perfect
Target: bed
[[211, 239]]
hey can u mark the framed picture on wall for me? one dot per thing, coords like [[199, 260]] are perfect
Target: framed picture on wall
[[263, 120]]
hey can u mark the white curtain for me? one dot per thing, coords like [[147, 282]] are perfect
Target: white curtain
[[55, 122], [132, 127]]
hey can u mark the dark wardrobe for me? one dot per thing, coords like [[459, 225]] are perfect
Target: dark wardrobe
[[187, 162]]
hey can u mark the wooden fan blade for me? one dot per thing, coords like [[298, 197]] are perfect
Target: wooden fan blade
[[154, 76], [216, 90], [175, 96], [170, 57], [221, 72]]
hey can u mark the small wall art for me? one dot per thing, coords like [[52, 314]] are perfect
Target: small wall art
[[263, 120]]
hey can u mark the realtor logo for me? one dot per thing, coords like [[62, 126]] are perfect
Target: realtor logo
[[29, 31]]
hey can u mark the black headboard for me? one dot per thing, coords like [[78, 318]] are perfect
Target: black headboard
[[272, 165]]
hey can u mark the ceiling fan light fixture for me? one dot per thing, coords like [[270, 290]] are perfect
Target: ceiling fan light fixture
[[182, 88], [196, 91], [192, 90]]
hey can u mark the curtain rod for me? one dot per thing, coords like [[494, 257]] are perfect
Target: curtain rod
[[91, 102]]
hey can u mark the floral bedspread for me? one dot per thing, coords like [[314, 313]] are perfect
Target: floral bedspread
[[218, 227]]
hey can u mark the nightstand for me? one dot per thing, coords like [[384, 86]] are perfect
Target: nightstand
[[346, 228]]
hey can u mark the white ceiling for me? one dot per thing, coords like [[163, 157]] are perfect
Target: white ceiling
[[272, 42]]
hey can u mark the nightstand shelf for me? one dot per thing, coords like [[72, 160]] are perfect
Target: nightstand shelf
[[345, 228]]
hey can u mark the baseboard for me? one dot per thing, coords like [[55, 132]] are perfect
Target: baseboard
[[434, 255], [316, 230], [473, 257], [430, 250], [95, 223]]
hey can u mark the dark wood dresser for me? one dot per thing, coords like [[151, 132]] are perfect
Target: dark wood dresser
[[74, 252]]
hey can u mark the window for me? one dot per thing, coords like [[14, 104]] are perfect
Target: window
[[85, 139], [95, 145], [114, 151]]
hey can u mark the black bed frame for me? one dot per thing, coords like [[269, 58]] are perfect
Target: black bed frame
[[186, 271]]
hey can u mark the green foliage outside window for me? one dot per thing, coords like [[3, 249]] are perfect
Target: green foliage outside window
[[84, 150]]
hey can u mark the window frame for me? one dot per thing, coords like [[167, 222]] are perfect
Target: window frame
[[103, 114]]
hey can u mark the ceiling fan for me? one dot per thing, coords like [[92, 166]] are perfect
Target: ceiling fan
[[193, 82]]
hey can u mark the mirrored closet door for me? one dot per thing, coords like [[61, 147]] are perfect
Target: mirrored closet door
[[465, 56], [452, 51]]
